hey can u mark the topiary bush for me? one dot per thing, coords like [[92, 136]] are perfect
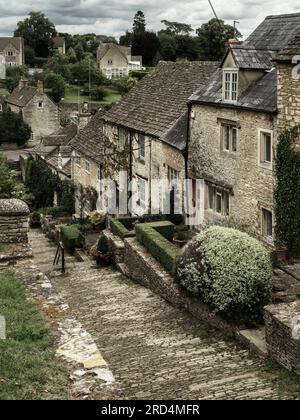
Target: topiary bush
[[230, 271], [72, 237]]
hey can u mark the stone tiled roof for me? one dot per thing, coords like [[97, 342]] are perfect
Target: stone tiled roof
[[261, 96], [21, 96], [290, 51], [15, 41], [62, 137], [160, 99], [61, 155], [89, 140], [275, 32], [252, 59], [103, 48], [177, 134]]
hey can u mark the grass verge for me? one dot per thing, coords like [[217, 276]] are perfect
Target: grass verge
[[28, 367]]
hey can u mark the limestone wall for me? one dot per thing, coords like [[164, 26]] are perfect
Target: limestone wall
[[14, 223], [283, 334], [288, 96]]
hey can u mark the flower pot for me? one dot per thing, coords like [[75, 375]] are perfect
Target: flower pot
[[281, 255], [180, 242]]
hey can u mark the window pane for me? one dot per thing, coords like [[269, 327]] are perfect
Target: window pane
[[234, 139], [219, 202], [141, 146], [226, 203], [267, 223], [210, 197], [267, 145], [226, 133]]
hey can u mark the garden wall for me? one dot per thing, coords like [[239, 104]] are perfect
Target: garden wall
[[14, 222], [283, 334]]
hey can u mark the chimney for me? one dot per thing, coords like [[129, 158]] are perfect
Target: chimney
[[40, 86], [23, 83], [231, 43]]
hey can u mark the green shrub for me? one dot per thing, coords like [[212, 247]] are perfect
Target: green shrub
[[230, 271], [98, 220], [102, 245], [72, 237], [120, 230], [153, 237]]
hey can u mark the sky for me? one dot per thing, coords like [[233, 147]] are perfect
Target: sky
[[113, 17]]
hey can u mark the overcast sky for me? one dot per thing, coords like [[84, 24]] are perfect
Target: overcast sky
[[113, 17]]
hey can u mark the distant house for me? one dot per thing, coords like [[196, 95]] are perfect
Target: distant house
[[36, 108], [13, 50], [87, 157], [235, 121], [55, 152], [151, 122], [59, 45], [116, 60]]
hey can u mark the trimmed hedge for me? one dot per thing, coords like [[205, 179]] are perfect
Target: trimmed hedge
[[230, 271], [120, 230], [72, 237], [154, 237]]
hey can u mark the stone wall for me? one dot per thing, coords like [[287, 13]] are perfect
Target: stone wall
[[288, 96], [250, 184], [14, 224], [141, 267], [283, 334]]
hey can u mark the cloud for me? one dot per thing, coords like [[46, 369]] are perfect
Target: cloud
[[113, 17]]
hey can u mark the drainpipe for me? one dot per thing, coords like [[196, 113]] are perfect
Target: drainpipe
[[186, 151], [130, 168]]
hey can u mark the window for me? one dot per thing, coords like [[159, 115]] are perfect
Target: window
[[218, 200], [99, 174], [265, 148], [141, 147], [109, 62], [230, 138], [11, 54], [40, 104], [173, 175], [230, 85], [141, 184], [87, 166], [78, 159], [122, 138], [267, 223]]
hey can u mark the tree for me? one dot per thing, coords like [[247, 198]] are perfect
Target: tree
[[71, 54], [87, 69], [167, 46], [9, 187], [37, 31], [126, 39], [29, 56], [56, 85], [59, 64], [139, 23], [176, 28], [79, 51], [212, 37], [187, 47], [14, 75], [13, 128], [145, 44]]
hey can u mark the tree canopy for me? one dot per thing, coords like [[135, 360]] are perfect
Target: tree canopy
[[37, 31], [177, 28], [139, 22], [13, 128], [56, 86]]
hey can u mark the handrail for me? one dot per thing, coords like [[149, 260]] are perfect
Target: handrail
[[60, 254]]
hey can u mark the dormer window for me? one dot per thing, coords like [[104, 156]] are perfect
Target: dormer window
[[230, 85]]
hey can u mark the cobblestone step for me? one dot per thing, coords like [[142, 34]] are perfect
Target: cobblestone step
[[154, 350]]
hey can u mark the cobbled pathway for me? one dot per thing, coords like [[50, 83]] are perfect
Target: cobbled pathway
[[154, 350]]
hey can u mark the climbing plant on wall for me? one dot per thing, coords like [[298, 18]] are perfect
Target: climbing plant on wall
[[287, 191]]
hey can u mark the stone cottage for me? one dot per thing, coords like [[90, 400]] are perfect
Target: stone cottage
[[12, 48], [87, 158], [116, 60], [59, 45], [234, 123], [36, 108], [151, 121]]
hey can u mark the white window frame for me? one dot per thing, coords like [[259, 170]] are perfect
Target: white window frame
[[212, 206], [87, 166], [261, 154], [78, 159], [263, 225], [142, 157], [231, 128], [122, 138], [38, 105], [173, 174], [232, 94]]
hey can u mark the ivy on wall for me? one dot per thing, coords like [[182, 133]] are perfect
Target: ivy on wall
[[287, 192], [43, 184]]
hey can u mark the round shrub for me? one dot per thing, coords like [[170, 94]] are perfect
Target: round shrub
[[230, 271]]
